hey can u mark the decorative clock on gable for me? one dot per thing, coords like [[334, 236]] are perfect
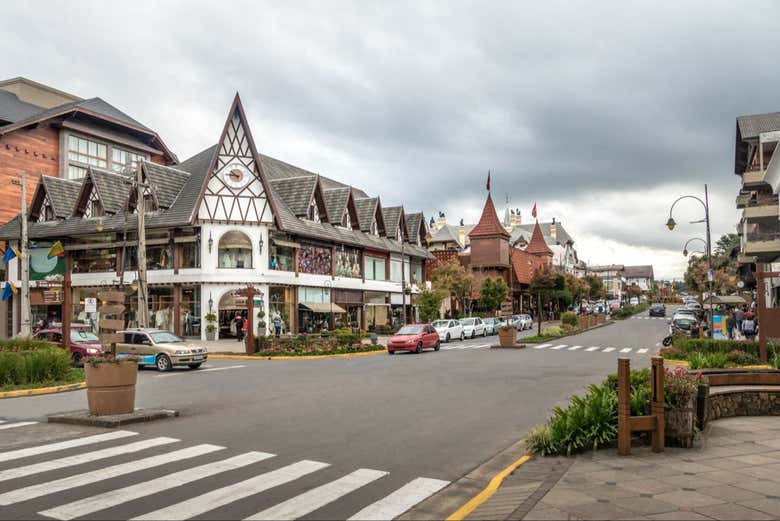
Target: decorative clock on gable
[[236, 175]]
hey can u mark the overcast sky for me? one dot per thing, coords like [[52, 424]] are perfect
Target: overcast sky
[[600, 112]]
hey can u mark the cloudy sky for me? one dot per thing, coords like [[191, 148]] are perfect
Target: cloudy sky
[[600, 112]]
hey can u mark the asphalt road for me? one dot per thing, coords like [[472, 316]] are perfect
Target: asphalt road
[[434, 416]]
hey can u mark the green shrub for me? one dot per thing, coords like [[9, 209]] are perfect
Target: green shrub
[[540, 441], [32, 367], [672, 353], [569, 318], [346, 337], [739, 357], [714, 360], [552, 331], [709, 345], [23, 344], [588, 422], [567, 328]]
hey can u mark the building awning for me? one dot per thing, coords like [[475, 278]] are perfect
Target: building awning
[[728, 299], [287, 244], [323, 307]]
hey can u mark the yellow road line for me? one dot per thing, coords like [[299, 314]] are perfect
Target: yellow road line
[[487, 492], [250, 357], [43, 390]]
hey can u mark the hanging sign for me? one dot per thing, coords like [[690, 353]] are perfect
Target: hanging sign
[[90, 305]]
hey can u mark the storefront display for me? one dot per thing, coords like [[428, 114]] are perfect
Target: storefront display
[[235, 251], [315, 260], [189, 310], [281, 301], [348, 262], [377, 310], [94, 260]]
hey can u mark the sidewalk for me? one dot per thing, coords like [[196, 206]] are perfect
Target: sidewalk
[[732, 473]]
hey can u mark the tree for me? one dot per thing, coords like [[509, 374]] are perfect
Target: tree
[[724, 276], [492, 293], [544, 282], [452, 279], [429, 304], [725, 244], [595, 285]]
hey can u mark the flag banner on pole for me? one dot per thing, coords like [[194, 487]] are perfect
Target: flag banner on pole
[[56, 250], [10, 254], [533, 212], [487, 186], [8, 290]]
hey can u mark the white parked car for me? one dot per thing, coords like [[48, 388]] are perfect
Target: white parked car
[[693, 306], [473, 327], [526, 322], [491, 325], [448, 330]]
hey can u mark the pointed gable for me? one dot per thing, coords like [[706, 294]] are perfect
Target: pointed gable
[[303, 196], [341, 207], [54, 198], [370, 215], [236, 189], [416, 228], [489, 225], [166, 182], [537, 245], [394, 222]]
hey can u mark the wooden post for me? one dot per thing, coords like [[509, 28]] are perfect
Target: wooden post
[[67, 301], [761, 296], [250, 331], [177, 310], [657, 404], [624, 407]]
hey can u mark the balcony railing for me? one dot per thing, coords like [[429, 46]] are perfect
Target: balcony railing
[[754, 200]]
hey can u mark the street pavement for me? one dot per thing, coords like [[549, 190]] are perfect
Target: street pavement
[[368, 437]]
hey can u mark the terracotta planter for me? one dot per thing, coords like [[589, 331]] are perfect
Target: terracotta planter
[[507, 337], [111, 388], [679, 424], [211, 335]]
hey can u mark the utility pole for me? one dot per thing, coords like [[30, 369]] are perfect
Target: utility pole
[[709, 258], [24, 262], [143, 308], [403, 280]]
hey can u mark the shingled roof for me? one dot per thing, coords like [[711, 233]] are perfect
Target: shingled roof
[[336, 200], [166, 182], [489, 225], [415, 227], [537, 245], [366, 208], [113, 189], [393, 215], [296, 192], [62, 194]]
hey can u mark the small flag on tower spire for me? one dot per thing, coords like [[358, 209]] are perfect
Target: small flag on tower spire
[[487, 186], [533, 212]]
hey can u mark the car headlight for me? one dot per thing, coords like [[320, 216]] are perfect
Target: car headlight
[[92, 351], [411, 341], [182, 352]]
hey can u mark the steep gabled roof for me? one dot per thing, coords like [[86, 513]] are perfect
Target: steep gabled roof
[[296, 192], [524, 265], [337, 200], [370, 208], [537, 245], [489, 225], [166, 182], [416, 227], [525, 230], [62, 194], [446, 233], [394, 221]]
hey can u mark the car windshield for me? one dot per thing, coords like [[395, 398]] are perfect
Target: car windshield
[[409, 330], [83, 336], [441, 323], [683, 323], [657, 306], [467, 321], [163, 337]]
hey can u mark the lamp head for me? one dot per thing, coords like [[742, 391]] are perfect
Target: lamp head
[[670, 223], [685, 252], [134, 285]]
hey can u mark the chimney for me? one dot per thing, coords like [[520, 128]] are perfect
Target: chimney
[[462, 233], [554, 230], [441, 221]]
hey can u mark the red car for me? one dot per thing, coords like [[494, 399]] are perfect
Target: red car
[[414, 338], [83, 344]]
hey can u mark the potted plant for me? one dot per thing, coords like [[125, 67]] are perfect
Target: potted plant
[[111, 384], [680, 391], [211, 328], [507, 335]]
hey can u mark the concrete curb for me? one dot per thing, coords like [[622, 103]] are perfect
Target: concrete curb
[[43, 390], [315, 357], [112, 421], [573, 333], [470, 487]]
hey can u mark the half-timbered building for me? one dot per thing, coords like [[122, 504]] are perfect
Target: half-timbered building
[[317, 251]]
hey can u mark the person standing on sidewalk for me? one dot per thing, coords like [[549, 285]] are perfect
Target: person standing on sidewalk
[[239, 323], [739, 316], [731, 323], [749, 328]]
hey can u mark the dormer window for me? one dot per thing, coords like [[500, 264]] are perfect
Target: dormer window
[[346, 220], [419, 241], [374, 228], [314, 213], [47, 211], [93, 208]]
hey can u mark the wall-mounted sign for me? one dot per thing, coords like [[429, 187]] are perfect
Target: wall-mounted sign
[[90, 305]]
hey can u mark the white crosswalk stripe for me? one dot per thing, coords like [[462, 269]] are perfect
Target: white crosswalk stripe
[[116, 497], [87, 478], [642, 351], [62, 445], [594, 348], [401, 500], [626, 350], [607, 349], [574, 348], [84, 457], [209, 370], [231, 493], [15, 425], [542, 346], [318, 497], [557, 348]]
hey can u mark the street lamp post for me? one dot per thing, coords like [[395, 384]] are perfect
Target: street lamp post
[[671, 224], [685, 247], [329, 285]]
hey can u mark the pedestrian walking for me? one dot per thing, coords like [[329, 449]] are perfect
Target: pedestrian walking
[[731, 323], [277, 321], [749, 327], [239, 324], [739, 316]]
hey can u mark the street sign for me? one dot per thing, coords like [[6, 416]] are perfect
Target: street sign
[[709, 276], [111, 338], [112, 296], [506, 308], [113, 324], [90, 305]]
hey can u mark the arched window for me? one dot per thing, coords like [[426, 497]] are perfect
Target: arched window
[[235, 250]]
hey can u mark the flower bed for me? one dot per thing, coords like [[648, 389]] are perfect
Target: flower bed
[[38, 367], [627, 311], [590, 422], [340, 341], [701, 353]]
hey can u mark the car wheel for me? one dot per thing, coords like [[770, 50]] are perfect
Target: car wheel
[[473, 333], [437, 346], [484, 333], [419, 348], [447, 338], [194, 366], [77, 359], [462, 336], [164, 363], [390, 352]]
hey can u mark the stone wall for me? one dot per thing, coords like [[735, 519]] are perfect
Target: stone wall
[[743, 403]]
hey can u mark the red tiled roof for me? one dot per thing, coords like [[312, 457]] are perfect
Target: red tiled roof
[[524, 265], [537, 244], [488, 224]]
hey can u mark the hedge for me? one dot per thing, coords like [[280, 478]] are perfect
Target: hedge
[[24, 344], [709, 345], [628, 310], [51, 364]]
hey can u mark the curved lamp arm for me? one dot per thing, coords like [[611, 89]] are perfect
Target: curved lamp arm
[[670, 223], [685, 247]]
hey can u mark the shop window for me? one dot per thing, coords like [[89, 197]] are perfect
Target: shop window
[[375, 268], [159, 257], [281, 258], [94, 261], [235, 251], [190, 255], [348, 262], [314, 295], [281, 303], [417, 273], [189, 309], [315, 260]]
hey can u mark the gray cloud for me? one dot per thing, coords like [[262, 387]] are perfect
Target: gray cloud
[[587, 109]]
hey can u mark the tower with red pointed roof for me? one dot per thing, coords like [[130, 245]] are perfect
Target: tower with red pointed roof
[[489, 240], [537, 245]]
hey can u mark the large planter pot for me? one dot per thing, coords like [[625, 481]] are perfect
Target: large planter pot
[[111, 387], [507, 336], [211, 335], [679, 424]]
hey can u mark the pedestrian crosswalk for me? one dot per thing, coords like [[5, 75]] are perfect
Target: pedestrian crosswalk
[[636, 317], [592, 349], [66, 485], [464, 346]]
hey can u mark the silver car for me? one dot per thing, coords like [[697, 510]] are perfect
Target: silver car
[[473, 327]]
